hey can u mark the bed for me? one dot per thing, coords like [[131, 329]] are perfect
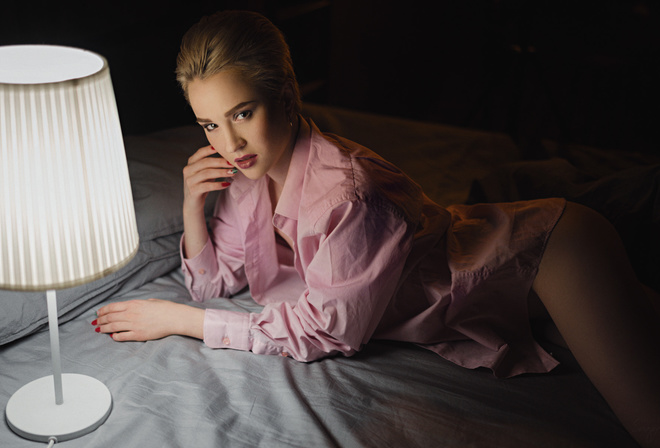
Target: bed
[[176, 392]]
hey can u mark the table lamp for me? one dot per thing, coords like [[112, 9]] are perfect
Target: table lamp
[[66, 211]]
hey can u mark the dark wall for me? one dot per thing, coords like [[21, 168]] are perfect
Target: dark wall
[[572, 71], [139, 40]]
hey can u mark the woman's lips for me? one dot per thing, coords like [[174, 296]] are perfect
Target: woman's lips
[[246, 162]]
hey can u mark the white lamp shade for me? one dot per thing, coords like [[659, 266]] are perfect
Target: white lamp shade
[[66, 208]]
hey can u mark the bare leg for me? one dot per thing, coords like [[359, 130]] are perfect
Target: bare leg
[[603, 313]]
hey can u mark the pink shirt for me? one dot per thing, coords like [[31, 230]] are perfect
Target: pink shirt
[[369, 260]]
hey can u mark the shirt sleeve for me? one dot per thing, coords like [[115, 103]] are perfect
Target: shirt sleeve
[[218, 270], [353, 263]]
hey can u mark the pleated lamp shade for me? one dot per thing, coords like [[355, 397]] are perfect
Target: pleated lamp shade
[[66, 208]]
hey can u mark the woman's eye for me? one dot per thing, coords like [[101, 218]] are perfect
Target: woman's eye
[[243, 115], [209, 127]]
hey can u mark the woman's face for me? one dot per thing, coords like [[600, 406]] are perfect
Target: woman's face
[[244, 127]]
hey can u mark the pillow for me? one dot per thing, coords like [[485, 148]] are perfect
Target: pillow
[[155, 163]]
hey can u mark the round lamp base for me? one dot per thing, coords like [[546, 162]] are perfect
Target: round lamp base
[[32, 413]]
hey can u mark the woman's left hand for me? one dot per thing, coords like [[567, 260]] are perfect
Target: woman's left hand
[[144, 320]]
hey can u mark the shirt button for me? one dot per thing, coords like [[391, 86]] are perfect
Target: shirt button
[[225, 341], [202, 271]]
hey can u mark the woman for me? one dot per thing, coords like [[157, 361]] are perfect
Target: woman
[[341, 247]]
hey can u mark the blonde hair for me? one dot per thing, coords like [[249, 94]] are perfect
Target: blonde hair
[[244, 41]]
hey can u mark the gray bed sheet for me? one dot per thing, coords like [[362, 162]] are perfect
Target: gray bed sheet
[[176, 392]]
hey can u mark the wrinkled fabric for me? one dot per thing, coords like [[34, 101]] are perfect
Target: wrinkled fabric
[[175, 392], [372, 257]]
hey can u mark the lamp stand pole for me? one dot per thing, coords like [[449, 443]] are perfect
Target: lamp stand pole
[[53, 328], [38, 411]]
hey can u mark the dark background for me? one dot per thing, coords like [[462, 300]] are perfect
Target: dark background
[[571, 71]]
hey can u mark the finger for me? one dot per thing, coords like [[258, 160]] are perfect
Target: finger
[[231, 172], [201, 153], [213, 162], [215, 157], [111, 308], [210, 175], [109, 318], [208, 156], [112, 327], [210, 186], [124, 336], [201, 190], [204, 171], [210, 180]]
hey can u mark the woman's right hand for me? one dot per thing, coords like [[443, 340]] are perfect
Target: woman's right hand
[[204, 174]]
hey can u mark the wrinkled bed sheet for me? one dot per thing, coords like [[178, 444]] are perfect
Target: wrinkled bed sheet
[[176, 392]]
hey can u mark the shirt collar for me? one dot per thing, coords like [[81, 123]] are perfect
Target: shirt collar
[[289, 202]]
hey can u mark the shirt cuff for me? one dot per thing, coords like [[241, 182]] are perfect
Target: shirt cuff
[[199, 264], [227, 329]]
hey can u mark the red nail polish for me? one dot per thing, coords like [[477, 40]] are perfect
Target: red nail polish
[[212, 148], [94, 322], [97, 329], [225, 184]]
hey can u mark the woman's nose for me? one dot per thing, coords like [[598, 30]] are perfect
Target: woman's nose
[[234, 142]]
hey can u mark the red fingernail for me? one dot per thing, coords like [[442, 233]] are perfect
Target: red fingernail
[[212, 148], [94, 322], [97, 329], [225, 184]]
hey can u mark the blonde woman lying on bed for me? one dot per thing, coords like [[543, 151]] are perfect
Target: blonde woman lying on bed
[[341, 247]]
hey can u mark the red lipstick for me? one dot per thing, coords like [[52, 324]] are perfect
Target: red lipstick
[[246, 162]]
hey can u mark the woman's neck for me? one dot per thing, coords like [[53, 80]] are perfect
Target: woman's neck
[[278, 175]]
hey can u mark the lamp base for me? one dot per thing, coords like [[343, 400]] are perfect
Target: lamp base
[[32, 413]]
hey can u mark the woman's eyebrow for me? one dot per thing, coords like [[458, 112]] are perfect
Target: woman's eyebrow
[[228, 113]]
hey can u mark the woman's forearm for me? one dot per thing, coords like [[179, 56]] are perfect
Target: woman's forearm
[[191, 322], [145, 320], [195, 232]]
